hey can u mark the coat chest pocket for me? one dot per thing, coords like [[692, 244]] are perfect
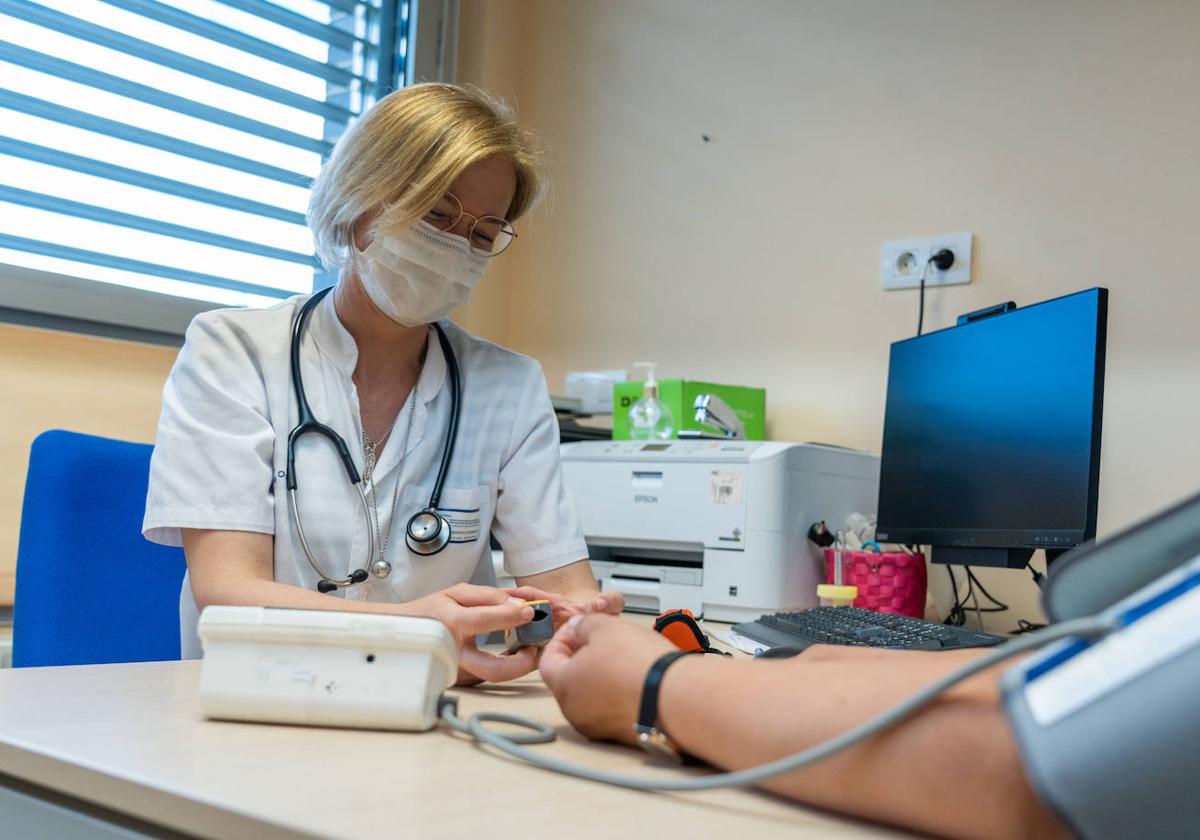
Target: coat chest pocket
[[469, 512], [464, 510]]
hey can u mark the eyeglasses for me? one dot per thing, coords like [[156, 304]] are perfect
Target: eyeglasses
[[488, 236]]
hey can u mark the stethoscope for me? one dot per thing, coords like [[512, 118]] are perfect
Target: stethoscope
[[427, 532]]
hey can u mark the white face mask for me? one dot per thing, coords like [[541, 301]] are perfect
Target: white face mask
[[420, 274]]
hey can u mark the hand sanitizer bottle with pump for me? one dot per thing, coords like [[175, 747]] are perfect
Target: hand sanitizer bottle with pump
[[650, 418]]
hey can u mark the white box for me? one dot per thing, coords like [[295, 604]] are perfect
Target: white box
[[594, 388]]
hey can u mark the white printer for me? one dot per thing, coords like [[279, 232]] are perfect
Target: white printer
[[715, 526]]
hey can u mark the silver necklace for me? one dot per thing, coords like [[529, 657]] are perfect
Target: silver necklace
[[369, 446], [381, 539]]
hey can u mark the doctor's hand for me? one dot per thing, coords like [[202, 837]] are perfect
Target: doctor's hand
[[595, 665], [468, 610]]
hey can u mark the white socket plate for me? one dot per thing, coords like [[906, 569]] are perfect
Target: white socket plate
[[902, 262]]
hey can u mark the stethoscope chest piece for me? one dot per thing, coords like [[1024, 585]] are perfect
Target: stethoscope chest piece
[[427, 532]]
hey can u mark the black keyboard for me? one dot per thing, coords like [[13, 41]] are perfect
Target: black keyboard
[[861, 628]]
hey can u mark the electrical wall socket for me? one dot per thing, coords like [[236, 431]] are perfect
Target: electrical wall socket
[[902, 262]]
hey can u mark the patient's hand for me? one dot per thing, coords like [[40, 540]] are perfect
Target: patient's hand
[[595, 665]]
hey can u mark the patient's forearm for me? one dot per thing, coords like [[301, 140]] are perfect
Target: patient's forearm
[[951, 769]]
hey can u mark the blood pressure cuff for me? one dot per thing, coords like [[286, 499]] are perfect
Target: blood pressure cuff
[[1108, 731]]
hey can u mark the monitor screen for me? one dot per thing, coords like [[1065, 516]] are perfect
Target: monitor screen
[[992, 433]]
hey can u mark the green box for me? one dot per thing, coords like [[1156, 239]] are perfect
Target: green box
[[750, 404]]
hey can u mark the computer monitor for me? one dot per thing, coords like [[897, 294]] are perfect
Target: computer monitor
[[991, 439]]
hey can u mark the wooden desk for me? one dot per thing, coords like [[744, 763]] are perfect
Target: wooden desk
[[131, 738]]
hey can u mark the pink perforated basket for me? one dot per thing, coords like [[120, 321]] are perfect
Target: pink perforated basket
[[891, 582]]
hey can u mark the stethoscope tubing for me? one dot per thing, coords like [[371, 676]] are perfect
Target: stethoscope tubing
[[455, 377], [307, 423], [355, 576]]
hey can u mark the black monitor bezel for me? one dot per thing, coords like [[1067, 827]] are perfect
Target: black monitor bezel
[[1052, 539]]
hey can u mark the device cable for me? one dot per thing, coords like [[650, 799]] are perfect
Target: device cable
[[942, 260], [540, 733], [999, 606], [1024, 626], [974, 599], [1087, 628], [957, 616], [921, 304], [1037, 576]]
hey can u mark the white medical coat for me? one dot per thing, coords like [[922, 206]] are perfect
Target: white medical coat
[[220, 457]]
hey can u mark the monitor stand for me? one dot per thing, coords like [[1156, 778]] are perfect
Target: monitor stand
[[1001, 558], [1053, 554]]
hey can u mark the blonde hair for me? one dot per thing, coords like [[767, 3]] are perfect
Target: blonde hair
[[399, 158]]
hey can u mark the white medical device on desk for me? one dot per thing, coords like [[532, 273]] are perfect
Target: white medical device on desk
[[717, 527], [324, 668]]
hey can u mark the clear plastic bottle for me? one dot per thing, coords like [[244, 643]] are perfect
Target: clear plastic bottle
[[650, 418], [837, 593]]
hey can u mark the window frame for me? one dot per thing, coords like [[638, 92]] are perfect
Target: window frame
[[42, 299]]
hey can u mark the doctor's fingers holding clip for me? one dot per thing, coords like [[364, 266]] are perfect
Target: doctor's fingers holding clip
[[468, 610], [564, 608], [595, 666]]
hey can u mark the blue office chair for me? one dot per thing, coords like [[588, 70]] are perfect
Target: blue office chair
[[90, 588]]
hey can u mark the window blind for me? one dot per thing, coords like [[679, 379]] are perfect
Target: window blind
[[168, 145]]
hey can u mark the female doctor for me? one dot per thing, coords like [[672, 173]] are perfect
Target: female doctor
[[352, 450]]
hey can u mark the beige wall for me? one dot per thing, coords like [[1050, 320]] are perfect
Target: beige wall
[[53, 380], [1062, 133]]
